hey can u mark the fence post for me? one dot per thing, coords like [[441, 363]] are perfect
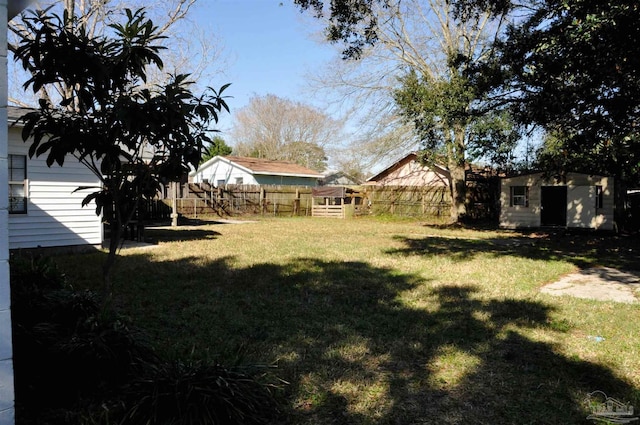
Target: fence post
[[296, 203]]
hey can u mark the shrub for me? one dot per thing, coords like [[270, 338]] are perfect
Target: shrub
[[76, 364], [179, 393]]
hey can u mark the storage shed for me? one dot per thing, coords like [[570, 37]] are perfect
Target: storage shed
[[574, 200]]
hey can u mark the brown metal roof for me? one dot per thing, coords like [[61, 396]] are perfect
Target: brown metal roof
[[266, 166]]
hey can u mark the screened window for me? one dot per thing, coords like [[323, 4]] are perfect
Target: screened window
[[220, 183], [17, 184], [519, 196], [238, 180]]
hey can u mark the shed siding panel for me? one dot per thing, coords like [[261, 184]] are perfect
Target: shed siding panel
[[55, 216], [581, 201]]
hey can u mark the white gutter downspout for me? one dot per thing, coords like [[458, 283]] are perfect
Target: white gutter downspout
[[8, 9]]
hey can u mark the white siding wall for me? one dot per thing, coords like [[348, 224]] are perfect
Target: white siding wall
[[7, 415], [520, 216], [55, 216], [222, 170]]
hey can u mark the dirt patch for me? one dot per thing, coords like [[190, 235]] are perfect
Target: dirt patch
[[598, 283]]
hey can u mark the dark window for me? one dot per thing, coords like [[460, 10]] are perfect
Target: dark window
[[599, 197], [519, 196], [17, 184]]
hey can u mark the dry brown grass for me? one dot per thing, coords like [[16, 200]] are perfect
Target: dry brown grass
[[390, 322]]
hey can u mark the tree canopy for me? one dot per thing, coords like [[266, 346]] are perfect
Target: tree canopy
[[133, 138], [217, 147], [425, 50], [275, 128]]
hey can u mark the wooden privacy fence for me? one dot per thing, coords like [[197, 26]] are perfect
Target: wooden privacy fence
[[195, 200], [409, 201]]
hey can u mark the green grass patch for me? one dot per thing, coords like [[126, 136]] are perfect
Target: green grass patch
[[386, 322]]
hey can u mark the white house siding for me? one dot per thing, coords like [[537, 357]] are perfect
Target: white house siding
[[7, 415], [55, 216], [222, 170], [581, 201]]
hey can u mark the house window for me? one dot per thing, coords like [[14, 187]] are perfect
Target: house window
[[220, 183], [17, 184], [238, 180], [599, 197], [519, 196]]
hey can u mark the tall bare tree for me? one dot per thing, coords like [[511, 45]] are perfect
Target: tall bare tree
[[392, 39], [271, 127], [188, 44]]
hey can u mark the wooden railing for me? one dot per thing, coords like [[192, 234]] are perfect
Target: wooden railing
[[330, 211]]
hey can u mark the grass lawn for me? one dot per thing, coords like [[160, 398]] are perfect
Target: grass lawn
[[387, 322]]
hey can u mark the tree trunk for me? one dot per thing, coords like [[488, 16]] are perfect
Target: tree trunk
[[457, 165], [458, 190], [107, 266]]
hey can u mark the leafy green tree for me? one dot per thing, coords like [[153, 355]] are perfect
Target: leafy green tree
[[429, 50], [217, 147], [573, 67], [131, 137]]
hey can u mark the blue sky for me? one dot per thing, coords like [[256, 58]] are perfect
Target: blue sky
[[268, 45]]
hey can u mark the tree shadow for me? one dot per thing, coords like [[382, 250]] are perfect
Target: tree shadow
[[354, 352], [155, 235], [583, 250]]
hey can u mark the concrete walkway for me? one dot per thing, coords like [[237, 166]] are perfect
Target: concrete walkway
[[599, 283]]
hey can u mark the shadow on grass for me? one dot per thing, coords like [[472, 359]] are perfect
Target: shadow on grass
[[584, 250], [163, 234], [354, 353]]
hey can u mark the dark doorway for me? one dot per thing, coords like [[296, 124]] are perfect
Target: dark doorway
[[554, 206]]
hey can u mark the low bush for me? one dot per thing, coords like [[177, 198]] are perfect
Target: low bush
[[185, 393], [75, 363]]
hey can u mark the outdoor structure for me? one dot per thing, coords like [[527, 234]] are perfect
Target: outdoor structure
[[338, 178], [335, 202], [220, 171], [408, 171], [45, 210], [574, 201]]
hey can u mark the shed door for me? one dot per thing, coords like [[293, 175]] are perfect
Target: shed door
[[554, 206]]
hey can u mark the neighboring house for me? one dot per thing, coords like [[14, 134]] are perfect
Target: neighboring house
[[237, 170], [339, 178], [45, 210], [575, 201], [408, 171]]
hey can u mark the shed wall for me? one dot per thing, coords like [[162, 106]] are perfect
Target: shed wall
[[581, 201]]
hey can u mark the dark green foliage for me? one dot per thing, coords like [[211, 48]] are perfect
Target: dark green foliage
[[217, 147], [74, 363], [351, 21], [65, 349], [134, 138], [192, 393]]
